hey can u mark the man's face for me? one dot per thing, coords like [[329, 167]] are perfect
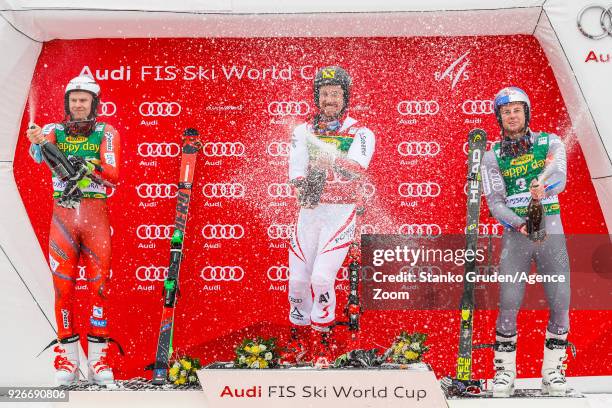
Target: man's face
[[513, 119], [79, 104], [331, 100]]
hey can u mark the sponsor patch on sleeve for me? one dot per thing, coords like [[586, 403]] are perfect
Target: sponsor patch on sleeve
[[109, 158], [53, 263]]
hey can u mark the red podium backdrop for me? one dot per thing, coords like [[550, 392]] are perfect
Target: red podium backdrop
[[420, 96]]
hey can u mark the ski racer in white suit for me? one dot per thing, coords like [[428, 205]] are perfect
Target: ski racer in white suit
[[328, 158]]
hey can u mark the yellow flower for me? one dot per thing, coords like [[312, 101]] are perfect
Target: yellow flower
[[180, 381], [411, 355], [251, 360], [263, 363], [173, 371], [247, 349], [186, 364], [255, 350]]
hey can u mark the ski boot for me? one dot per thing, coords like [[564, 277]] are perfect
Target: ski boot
[[322, 350], [505, 366], [295, 352], [553, 369], [99, 372], [66, 360]]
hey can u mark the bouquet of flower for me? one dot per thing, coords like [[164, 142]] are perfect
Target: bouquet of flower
[[260, 353], [409, 348], [183, 371]]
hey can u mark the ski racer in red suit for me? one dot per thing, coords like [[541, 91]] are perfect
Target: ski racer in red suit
[[82, 232], [328, 159]]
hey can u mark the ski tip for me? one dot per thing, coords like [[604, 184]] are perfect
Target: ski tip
[[191, 132]]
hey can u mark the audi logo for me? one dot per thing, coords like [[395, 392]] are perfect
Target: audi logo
[[343, 274], [418, 148], [276, 149], [157, 190], [418, 108], [222, 273], [427, 189], [368, 229], [223, 190], [278, 273], [151, 273], [281, 231], [605, 23], [495, 230], [223, 149], [368, 190], [154, 231], [159, 149], [423, 230], [466, 146], [280, 190], [219, 231], [477, 107], [159, 108], [83, 273], [107, 109], [290, 108], [418, 269]]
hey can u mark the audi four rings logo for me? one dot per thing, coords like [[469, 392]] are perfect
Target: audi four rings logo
[[368, 229], [424, 230], [223, 190], [418, 269], [276, 149], [159, 108], [107, 109], [281, 231], [466, 146], [222, 273], [418, 148], [418, 108], [223, 149], [594, 31], [154, 231], [159, 149], [289, 108], [427, 189], [476, 107], [83, 273], [278, 273], [280, 190], [219, 231], [368, 190], [490, 229], [343, 274], [157, 190], [151, 273]]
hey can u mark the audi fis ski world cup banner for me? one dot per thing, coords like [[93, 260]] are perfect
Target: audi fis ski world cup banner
[[419, 96]]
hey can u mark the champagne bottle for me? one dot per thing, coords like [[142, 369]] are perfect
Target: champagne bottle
[[535, 220], [57, 161]]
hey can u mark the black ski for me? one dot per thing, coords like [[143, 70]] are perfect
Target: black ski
[[477, 142], [463, 383], [191, 145]]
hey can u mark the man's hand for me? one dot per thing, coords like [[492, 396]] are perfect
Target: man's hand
[[34, 134], [537, 190]]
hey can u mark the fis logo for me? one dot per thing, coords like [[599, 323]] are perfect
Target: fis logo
[[455, 71]]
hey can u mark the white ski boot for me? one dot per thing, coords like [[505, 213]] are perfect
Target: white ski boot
[[67, 361], [99, 372], [505, 366], [553, 369]]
